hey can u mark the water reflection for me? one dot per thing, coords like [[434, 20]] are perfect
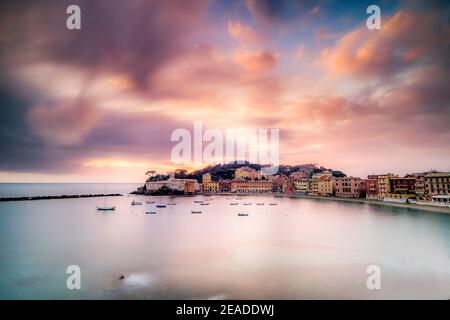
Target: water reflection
[[298, 249]]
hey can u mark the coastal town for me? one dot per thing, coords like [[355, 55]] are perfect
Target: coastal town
[[427, 188]]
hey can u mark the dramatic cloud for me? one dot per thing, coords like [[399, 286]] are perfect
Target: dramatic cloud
[[100, 103], [405, 41], [242, 32], [65, 124], [135, 40]]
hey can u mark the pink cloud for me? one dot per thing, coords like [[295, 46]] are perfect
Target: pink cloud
[[242, 33], [256, 61], [405, 40]]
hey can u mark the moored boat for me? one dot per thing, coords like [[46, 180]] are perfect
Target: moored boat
[[136, 203], [196, 212], [150, 212], [161, 205], [242, 214], [106, 208]]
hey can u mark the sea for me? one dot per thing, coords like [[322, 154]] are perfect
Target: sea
[[281, 248]]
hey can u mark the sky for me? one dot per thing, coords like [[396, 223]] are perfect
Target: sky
[[100, 104]]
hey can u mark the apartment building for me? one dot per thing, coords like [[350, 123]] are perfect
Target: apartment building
[[350, 187], [249, 186], [437, 183], [326, 186]]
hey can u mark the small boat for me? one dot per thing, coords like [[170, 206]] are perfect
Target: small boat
[[260, 204], [171, 204], [161, 205], [106, 208], [136, 203], [204, 204], [234, 204], [150, 212], [242, 214], [247, 204], [150, 202], [196, 212], [273, 204], [198, 201]]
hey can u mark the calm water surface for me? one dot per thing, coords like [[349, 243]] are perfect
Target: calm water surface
[[57, 189], [299, 249]]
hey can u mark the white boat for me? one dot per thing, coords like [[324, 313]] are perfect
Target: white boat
[[242, 214], [234, 204], [161, 205], [198, 201], [204, 204], [196, 212], [171, 204], [260, 204], [136, 203], [106, 208], [150, 212], [150, 202], [273, 204], [247, 204]]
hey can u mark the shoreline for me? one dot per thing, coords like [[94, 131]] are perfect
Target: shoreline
[[418, 207], [64, 196], [429, 208]]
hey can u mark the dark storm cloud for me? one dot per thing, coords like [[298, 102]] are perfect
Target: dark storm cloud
[[135, 38], [142, 135]]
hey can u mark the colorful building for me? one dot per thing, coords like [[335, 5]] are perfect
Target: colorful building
[[225, 186], [251, 186], [437, 183], [326, 186], [247, 173], [189, 187], [208, 185], [372, 189], [172, 183], [302, 186], [314, 182], [400, 189], [350, 187], [383, 185]]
